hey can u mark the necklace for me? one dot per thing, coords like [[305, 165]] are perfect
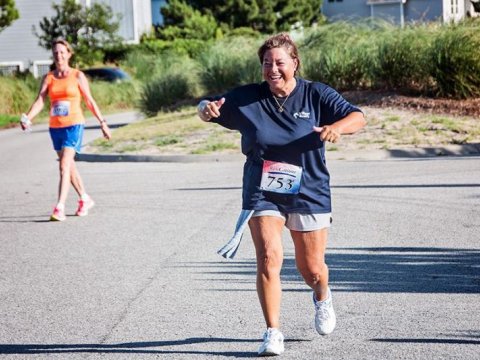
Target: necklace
[[280, 106]]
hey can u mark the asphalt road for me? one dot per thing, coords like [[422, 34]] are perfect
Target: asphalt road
[[140, 278]]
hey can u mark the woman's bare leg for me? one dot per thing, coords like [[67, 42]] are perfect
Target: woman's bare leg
[[76, 179], [66, 158], [267, 237], [310, 258]]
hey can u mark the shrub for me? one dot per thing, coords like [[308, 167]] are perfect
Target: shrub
[[177, 82], [16, 96], [403, 58], [455, 59], [113, 97], [180, 47], [340, 54], [229, 63]]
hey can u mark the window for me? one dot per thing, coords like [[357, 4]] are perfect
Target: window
[[454, 6], [41, 68], [10, 68]]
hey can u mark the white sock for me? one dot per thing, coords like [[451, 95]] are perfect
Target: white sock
[[84, 197], [60, 206]]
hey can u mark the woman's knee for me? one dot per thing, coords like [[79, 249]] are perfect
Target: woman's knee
[[65, 166], [269, 261], [314, 274]]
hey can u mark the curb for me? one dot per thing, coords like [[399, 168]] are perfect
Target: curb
[[354, 155], [407, 153], [157, 158]]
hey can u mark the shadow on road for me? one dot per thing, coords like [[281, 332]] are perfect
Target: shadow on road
[[466, 338], [133, 347], [429, 341], [25, 219], [381, 270]]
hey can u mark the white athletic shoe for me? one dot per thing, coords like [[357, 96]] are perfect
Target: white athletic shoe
[[84, 206], [272, 343], [325, 319]]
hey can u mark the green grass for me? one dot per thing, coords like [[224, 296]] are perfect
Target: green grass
[[447, 123], [8, 120], [392, 118], [166, 140], [215, 147]]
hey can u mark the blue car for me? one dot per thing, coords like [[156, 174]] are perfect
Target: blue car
[[110, 74]]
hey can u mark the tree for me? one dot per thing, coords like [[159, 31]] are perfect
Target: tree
[[88, 29], [8, 13], [265, 16], [183, 21]]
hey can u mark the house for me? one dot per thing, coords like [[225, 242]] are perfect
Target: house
[[19, 49], [401, 11], [157, 18]]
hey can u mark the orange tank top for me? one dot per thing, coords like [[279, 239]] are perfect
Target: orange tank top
[[65, 98]]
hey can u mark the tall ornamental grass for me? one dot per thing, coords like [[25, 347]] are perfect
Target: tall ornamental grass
[[340, 54], [229, 63], [455, 60], [143, 66], [115, 97], [178, 82], [16, 96], [403, 58]]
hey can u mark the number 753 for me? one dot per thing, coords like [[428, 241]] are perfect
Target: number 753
[[280, 182]]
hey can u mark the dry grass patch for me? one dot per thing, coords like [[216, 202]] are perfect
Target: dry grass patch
[[171, 133], [182, 132]]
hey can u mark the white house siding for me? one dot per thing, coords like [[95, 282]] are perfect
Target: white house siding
[[136, 17], [19, 49], [18, 44], [143, 15]]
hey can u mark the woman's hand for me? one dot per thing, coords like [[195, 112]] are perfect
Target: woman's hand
[[105, 130], [327, 133], [209, 109]]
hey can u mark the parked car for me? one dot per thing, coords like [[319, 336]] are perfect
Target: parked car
[[110, 74]]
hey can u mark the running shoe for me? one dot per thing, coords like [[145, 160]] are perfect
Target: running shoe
[[272, 343], [325, 319], [84, 206], [58, 215]]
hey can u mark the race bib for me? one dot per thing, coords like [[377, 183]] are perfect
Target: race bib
[[280, 177], [60, 108]]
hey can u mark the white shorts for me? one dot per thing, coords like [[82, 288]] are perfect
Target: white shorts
[[300, 222]]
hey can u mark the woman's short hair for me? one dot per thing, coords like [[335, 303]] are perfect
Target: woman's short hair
[[281, 40], [64, 43]]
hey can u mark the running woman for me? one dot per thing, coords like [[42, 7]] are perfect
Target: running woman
[[284, 122], [65, 87]]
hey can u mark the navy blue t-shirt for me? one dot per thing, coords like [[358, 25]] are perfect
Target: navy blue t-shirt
[[268, 134]]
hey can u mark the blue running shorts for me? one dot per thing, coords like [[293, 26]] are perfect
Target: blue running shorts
[[70, 136]]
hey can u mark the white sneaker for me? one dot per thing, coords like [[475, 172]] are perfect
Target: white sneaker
[[84, 206], [272, 343], [325, 319]]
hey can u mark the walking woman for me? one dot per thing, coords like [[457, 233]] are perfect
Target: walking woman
[[65, 88], [284, 122]]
